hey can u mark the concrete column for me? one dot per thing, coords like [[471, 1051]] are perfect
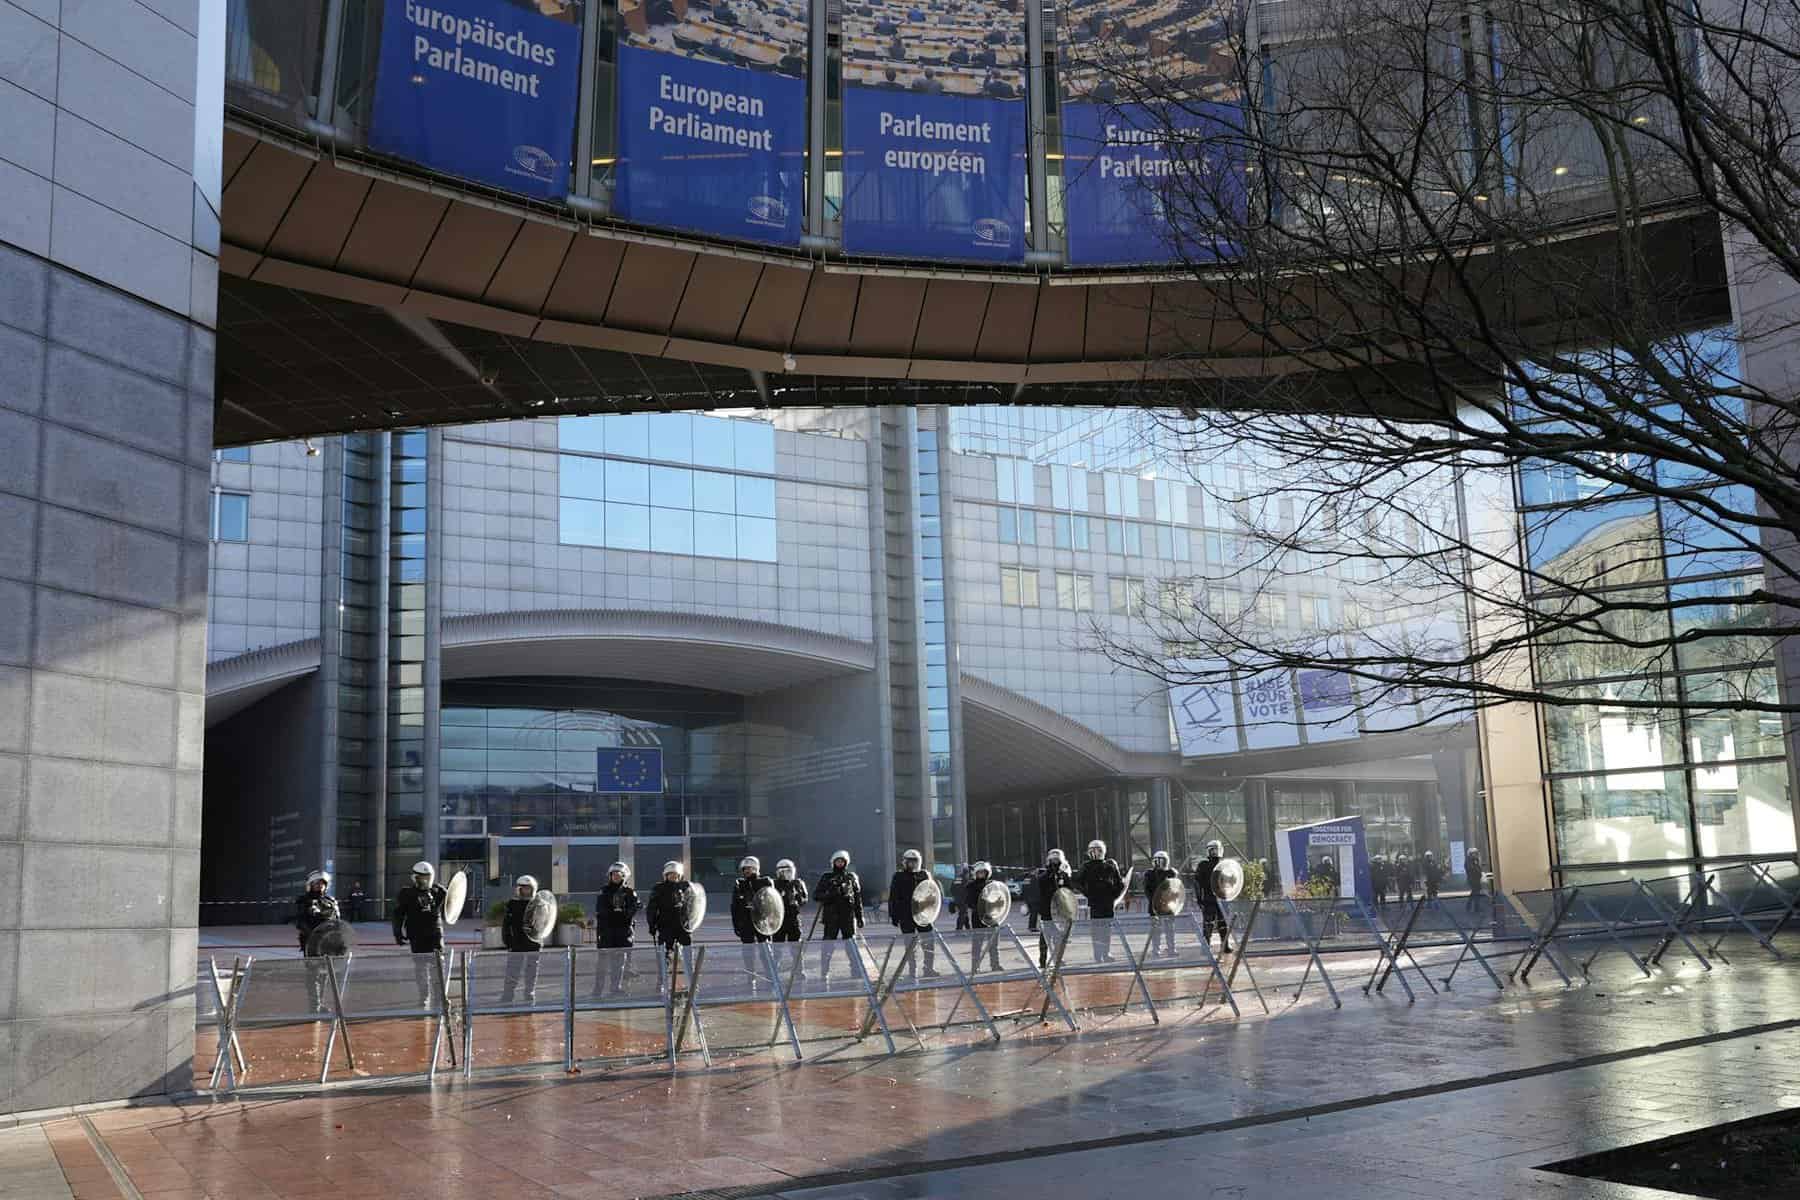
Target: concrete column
[[1161, 834]]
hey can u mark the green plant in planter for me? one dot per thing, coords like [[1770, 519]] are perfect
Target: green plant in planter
[[496, 913], [572, 914], [1254, 879], [1316, 887]]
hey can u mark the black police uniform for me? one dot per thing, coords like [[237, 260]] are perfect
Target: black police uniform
[[1101, 882], [419, 921], [1378, 878], [743, 916], [1212, 916], [991, 942], [1434, 875], [670, 903], [617, 908], [517, 938], [840, 910], [900, 890], [793, 895], [1045, 884], [1403, 878], [311, 912], [1165, 934]]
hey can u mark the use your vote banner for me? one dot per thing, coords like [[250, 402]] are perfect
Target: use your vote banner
[[930, 175], [481, 89]]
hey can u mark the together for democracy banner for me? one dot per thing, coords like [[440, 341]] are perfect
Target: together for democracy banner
[[1142, 185], [933, 176], [482, 89], [712, 117]]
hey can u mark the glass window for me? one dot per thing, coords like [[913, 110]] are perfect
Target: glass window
[[1009, 525], [1731, 731], [236, 454], [1164, 501], [1059, 487], [1081, 533], [713, 443], [755, 496], [1009, 585], [1024, 482], [672, 487], [1605, 641], [1027, 527], [1078, 489], [628, 434], [1065, 590], [1028, 587], [1733, 630], [1128, 495], [1700, 542], [1065, 536], [1134, 538], [1628, 817], [581, 433], [231, 516], [1595, 545], [585, 477], [1115, 536], [1165, 541], [1110, 486], [1744, 808], [583, 522], [1178, 496], [1115, 594], [1610, 737], [1180, 538], [628, 483], [1084, 593], [672, 530], [754, 444], [671, 437], [714, 492], [715, 535], [627, 526], [1005, 482], [756, 539]]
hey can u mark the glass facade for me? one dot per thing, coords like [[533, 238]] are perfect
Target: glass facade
[[937, 653], [1633, 783], [672, 483], [407, 533], [358, 659], [231, 517]]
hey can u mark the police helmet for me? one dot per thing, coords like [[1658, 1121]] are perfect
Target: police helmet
[[1160, 859], [912, 860], [423, 873], [981, 868], [1096, 849], [843, 854], [529, 881], [313, 877], [750, 863], [784, 869], [673, 868], [1215, 848], [621, 870], [1055, 857]]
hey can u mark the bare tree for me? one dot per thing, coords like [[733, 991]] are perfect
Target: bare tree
[[1476, 255]]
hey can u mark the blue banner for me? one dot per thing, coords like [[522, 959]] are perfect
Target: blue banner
[[1143, 185], [933, 175], [481, 89], [634, 769], [714, 148]]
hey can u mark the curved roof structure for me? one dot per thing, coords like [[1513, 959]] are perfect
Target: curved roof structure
[[234, 684], [1013, 743]]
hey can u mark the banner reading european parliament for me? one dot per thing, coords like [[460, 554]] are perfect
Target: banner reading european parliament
[[1140, 185], [481, 89], [712, 117], [934, 130]]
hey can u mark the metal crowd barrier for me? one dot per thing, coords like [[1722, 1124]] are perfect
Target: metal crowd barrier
[[755, 997]]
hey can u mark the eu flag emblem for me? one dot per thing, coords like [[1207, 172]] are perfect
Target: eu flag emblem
[[636, 769]]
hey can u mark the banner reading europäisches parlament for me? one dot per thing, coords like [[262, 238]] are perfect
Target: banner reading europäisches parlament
[[481, 89], [934, 130], [1151, 99], [712, 117]]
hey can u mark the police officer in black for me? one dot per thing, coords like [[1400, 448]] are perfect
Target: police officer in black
[[1162, 940], [979, 876], [1050, 877], [750, 881], [671, 901], [1404, 877], [1327, 869], [419, 922], [840, 906], [900, 912], [1379, 877], [1103, 885], [1472, 866], [1212, 916], [1434, 875], [793, 896], [515, 932], [617, 911], [313, 909]]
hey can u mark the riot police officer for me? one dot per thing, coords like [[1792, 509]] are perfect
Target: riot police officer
[[1434, 875], [617, 912], [1328, 869], [793, 895], [419, 922], [515, 932], [313, 909], [1212, 915], [840, 906], [1162, 932], [1379, 877], [1472, 866], [979, 876], [671, 903], [900, 911], [1103, 884], [750, 881], [1051, 877], [1404, 878]]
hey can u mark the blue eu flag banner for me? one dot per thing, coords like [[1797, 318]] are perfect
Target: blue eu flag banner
[[481, 89], [1140, 183], [716, 144], [634, 769], [933, 175]]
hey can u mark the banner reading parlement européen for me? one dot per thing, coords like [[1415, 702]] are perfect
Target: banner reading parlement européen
[[481, 89], [712, 117]]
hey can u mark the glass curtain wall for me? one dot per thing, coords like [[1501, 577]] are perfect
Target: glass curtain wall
[[940, 772], [359, 658], [1634, 789], [407, 518]]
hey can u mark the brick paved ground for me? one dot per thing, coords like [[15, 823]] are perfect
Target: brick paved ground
[[1462, 1094]]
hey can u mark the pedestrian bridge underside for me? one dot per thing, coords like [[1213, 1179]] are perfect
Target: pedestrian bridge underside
[[356, 296]]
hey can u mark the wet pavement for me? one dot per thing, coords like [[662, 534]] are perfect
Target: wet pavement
[[1464, 1093]]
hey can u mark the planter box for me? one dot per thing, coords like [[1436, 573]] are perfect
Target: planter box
[[492, 938], [570, 935]]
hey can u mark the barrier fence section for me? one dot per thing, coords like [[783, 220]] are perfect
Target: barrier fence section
[[585, 1005]]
